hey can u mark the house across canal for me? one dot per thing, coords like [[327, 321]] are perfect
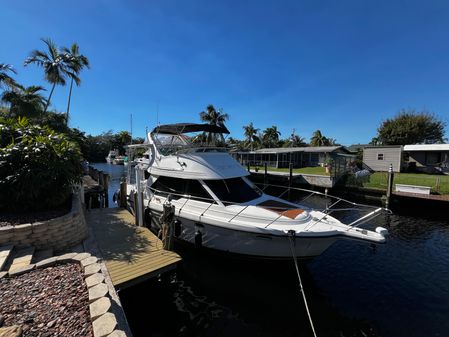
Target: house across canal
[[298, 156]]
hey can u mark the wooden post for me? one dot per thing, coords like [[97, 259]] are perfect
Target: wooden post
[[290, 178], [139, 200], [136, 216], [123, 191], [167, 221], [106, 189], [389, 186], [248, 167], [265, 173]]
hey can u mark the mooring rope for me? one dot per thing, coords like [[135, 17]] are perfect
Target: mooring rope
[[291, 236]]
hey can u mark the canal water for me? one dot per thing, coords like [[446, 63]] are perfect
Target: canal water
[[392, 290]]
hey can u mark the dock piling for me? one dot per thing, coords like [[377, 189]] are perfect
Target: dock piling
[[123, 191], [389, 186]]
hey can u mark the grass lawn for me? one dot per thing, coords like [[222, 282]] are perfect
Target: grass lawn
[[379, 180], [304, 170]]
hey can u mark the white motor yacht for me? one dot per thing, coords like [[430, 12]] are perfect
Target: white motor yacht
[[218, 207], [111, 156]]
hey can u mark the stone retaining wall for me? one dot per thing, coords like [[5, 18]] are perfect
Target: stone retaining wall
[[58, 233]]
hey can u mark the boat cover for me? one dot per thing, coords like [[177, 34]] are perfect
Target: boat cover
[[179, 128]]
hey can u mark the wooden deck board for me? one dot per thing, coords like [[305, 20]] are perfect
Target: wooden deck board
[[131, 253]]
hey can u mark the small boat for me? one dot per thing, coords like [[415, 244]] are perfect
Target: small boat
[[111, 156], [119, 160], [218, 207]]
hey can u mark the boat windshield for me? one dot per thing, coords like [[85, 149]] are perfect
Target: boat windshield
[[234, 190]]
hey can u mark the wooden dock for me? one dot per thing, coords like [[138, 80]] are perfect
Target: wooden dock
[[132, 254]]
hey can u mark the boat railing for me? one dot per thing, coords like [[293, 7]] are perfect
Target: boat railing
[[369, 211], [170, 149]]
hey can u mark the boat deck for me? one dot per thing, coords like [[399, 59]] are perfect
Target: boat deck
[[132, 254]]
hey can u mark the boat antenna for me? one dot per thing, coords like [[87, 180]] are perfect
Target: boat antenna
[[131, 126], [157, 113]]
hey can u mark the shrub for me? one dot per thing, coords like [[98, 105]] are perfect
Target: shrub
[[37, 166]]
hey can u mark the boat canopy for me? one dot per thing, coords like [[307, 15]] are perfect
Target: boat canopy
[[180, 128]]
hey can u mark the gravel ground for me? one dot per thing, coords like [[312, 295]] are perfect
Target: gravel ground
[[47, 302], [8, 219]]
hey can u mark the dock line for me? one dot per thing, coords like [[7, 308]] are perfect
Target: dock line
[[291, 237]]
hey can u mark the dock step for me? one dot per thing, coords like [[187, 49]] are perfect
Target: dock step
[[5, 253], [22, 258], [41, 255]]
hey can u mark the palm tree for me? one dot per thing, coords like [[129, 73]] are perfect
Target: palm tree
[[251, 135], [295, 141], [214, 117], [271, 136], [76, 62], [6, 81], [24, 101], [54, 63], [318, 139]]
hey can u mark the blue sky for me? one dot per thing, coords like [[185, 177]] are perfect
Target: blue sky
[[338, 66]]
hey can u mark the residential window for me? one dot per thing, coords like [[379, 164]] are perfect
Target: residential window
[[380, 156]]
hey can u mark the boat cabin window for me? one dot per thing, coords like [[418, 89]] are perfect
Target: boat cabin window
[[234, 190], [180, 187]]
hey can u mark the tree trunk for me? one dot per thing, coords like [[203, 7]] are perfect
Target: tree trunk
[[68, 104], [49, 97]]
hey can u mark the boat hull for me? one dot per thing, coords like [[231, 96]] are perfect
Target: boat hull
[[244, 243]]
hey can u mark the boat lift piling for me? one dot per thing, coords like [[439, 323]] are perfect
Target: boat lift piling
[[389, 186]]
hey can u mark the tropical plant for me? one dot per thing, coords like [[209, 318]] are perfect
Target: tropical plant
[[318, 139], [24, 101], [251, 136], [6, 81], [411, 127], [270, 136], [236, 144], [75, 62], [214, 117], [332, 142], [54, 63], [37, 166], [294, 141]]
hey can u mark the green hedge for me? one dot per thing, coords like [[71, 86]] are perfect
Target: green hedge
[[37, 166]]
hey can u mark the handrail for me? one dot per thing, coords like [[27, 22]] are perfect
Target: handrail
[[328, 210]]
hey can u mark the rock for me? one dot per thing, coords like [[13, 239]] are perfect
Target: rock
[[97, 291], [89, 261], [99, 307], [2, 319], [81, 256], [66, 257], [117, 333], [51, 323], [104, 325], [47, 262], [11, 331], [92, 269], [22, 270], [94, 279]]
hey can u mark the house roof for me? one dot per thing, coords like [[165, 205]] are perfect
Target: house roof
[[382, 146], [427, 147], [307, 149]]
